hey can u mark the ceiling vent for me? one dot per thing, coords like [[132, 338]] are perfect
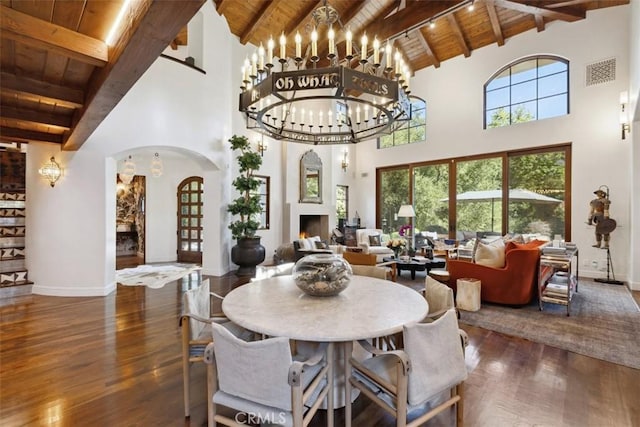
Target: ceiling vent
[[601, 72]]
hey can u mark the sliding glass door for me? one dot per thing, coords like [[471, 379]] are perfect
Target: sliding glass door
[[479, 196], [394, 192], [525, 191], [431, 192], [537, 193]]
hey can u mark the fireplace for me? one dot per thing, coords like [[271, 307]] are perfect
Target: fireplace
[[314, 225]]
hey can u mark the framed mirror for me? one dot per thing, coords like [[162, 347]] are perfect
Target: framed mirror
[[310, 178]]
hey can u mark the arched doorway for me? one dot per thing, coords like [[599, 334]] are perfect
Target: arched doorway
[[190, 192]]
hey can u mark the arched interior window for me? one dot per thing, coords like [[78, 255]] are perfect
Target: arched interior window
[[411, 131], [531, 88]]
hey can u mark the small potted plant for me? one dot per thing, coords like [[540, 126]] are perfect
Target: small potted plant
[[248, 252]]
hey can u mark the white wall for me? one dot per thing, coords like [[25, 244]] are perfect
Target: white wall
[[454, 96]]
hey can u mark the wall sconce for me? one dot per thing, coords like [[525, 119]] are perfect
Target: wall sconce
[[51, 171], [345, 161], [262, 146], [624, 118]]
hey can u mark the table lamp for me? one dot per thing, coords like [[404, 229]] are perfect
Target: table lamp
[[406, 211]]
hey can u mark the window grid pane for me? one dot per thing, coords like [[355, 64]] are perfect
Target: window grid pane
[[262, 192], [408, 133], [537, 88]]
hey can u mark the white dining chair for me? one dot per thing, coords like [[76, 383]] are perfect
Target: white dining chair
[[430, 368], [265, 380], [195, 325]]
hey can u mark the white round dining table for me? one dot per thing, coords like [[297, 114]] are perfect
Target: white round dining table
[[368, 308]]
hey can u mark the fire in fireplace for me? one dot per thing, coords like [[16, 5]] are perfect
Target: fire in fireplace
[[314, 225]]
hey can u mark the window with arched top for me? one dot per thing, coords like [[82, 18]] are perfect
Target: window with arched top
[[411, 131], [531, 88]]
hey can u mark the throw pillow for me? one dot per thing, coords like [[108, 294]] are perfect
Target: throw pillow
[[321, 245], [305, 244], [374, 240], [490, 254]]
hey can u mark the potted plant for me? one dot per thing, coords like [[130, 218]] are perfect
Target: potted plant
[[248, 252]]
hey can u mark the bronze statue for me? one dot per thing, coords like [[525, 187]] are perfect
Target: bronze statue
[[599, 215]]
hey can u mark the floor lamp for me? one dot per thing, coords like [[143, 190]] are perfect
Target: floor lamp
[[406, 211]]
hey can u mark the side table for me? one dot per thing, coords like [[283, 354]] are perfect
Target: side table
[[551, 263]]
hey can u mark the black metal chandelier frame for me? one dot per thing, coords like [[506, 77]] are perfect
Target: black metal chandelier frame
[[359, 104]]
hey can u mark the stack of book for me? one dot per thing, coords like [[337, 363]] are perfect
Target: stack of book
[[555, 290]]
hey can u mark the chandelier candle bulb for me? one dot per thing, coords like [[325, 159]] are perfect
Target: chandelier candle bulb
[[396, 59], [387, 51], [314, 45], [363, 54], [357, 114], [247, 68], [320, 122], [310, 117], [349, 36], [261, 58], [254, 65], [332, 43], [298, 40], [376, 52], [283, 48], [270, 45]]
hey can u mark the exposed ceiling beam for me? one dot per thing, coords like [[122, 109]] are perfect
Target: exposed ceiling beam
[[8, 134], [222, 6], [37, 90], [391, 27], [495, 22], [148, 30], [44, 35], [562, 14], [416, 13], [539, 22], [427, 47], [59, 121], [457, 34], [263, 16]]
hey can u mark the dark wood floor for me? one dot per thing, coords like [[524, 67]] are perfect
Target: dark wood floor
[[115, 361]]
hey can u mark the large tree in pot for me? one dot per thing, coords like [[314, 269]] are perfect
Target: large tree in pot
[[248, 252]]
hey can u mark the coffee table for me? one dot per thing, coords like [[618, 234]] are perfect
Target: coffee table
[[417, 264]]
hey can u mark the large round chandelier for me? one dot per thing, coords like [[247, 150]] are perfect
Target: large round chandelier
[[333, 104]]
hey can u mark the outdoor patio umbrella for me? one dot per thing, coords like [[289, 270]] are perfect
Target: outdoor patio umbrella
[[515, 195]]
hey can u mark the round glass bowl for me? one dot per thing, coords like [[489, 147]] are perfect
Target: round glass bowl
[[322, 275]]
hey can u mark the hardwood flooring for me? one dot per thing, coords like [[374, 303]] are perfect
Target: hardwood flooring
[[115, 361]]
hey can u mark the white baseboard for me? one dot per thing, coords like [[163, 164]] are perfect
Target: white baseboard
[[64, 291]]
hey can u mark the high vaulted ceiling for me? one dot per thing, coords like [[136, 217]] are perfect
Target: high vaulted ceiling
[[59, 79]]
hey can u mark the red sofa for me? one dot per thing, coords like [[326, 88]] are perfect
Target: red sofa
[[514, 284]]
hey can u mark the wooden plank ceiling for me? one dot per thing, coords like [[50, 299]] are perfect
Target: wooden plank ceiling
[[59, 79]]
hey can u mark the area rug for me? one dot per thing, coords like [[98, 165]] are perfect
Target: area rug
[[154, 276], [604, 323]]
